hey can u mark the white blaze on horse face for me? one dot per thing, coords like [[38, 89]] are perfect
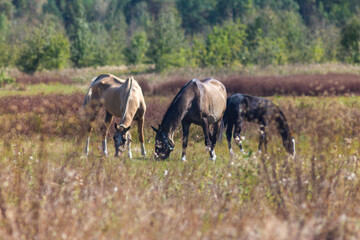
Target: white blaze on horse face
[[293, 141]]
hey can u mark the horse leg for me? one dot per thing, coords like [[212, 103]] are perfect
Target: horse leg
[[228, 137], [185, 128], [105, 130], [237, 133], [214, 136], [141, 135], [89, 130], [128, 138], [263, 137], [207, 139]]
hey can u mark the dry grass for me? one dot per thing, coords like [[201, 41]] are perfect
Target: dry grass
[[49, 190]]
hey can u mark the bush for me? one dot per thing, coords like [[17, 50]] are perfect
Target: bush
[[270, 51], [44, 49], [135, 52], [5, 78], [166, 39], [223, 46], [350, 40]]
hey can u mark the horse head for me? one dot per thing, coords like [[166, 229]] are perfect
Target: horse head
[[163, 144], [120, 137], [289, 145]]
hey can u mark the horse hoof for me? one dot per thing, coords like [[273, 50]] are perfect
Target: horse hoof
[[183, 159], [130, 155]]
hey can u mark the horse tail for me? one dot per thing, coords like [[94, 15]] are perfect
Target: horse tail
[[89, 92], [221, 130]]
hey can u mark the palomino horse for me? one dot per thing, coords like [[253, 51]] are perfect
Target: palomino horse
[[241, 108], [120, 98], [200, 102]]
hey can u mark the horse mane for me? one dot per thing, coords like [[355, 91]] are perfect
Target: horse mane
[[128, 94], [176, 98]]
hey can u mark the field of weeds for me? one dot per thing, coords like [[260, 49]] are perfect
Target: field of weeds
[[50, 190]]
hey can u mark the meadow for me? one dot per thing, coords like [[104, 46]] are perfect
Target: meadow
[[50, 190]]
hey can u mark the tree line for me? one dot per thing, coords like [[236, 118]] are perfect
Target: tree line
[[53, 34]]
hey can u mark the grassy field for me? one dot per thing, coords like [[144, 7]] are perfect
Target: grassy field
[[50, 190]]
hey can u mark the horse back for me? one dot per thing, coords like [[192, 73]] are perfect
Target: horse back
[[212, 98]]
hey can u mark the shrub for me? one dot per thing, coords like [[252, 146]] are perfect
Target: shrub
[[166, 39], [270, 51], [43, 49], [135, 52], [5, 78], [350, 39], [224, 45]]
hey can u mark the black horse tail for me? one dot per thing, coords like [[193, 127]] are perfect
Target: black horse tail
[[221, 130]]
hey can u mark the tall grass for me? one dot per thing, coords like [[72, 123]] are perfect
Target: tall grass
[[49, 190]]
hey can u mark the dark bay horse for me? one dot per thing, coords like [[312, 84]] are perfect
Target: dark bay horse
[[200, 102], [241, 108], [120, 98]]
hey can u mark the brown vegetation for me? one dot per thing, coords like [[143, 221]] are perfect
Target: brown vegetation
[[294, 85]]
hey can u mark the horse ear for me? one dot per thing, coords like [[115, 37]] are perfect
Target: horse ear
[[154, 129], [116, 126], [127, 129]]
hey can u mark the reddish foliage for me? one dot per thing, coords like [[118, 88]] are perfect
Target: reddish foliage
[[296, 85], [170, 87]]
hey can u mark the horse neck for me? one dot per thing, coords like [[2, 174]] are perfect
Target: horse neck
[[282, 125], [175, 114]]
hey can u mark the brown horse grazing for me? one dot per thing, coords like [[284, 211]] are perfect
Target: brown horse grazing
[[200, 102], [120, 98], [240, 107]]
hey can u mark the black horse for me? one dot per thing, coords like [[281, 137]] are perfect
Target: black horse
[[240, 107], [199, 102]]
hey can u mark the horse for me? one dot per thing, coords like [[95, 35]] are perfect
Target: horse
[[240, 107], [120, 98], [200, 102]]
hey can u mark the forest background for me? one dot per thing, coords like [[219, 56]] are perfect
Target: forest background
[[54, 34]]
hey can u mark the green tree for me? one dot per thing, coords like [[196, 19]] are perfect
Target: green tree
[[224, 45], [135, 52], [44, 49], [350, 41], [166, 39], [196, 14]]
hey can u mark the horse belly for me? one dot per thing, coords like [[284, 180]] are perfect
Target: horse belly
[[216, 101], [113, 105]]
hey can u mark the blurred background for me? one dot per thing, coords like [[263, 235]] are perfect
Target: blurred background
[[38, 34]]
